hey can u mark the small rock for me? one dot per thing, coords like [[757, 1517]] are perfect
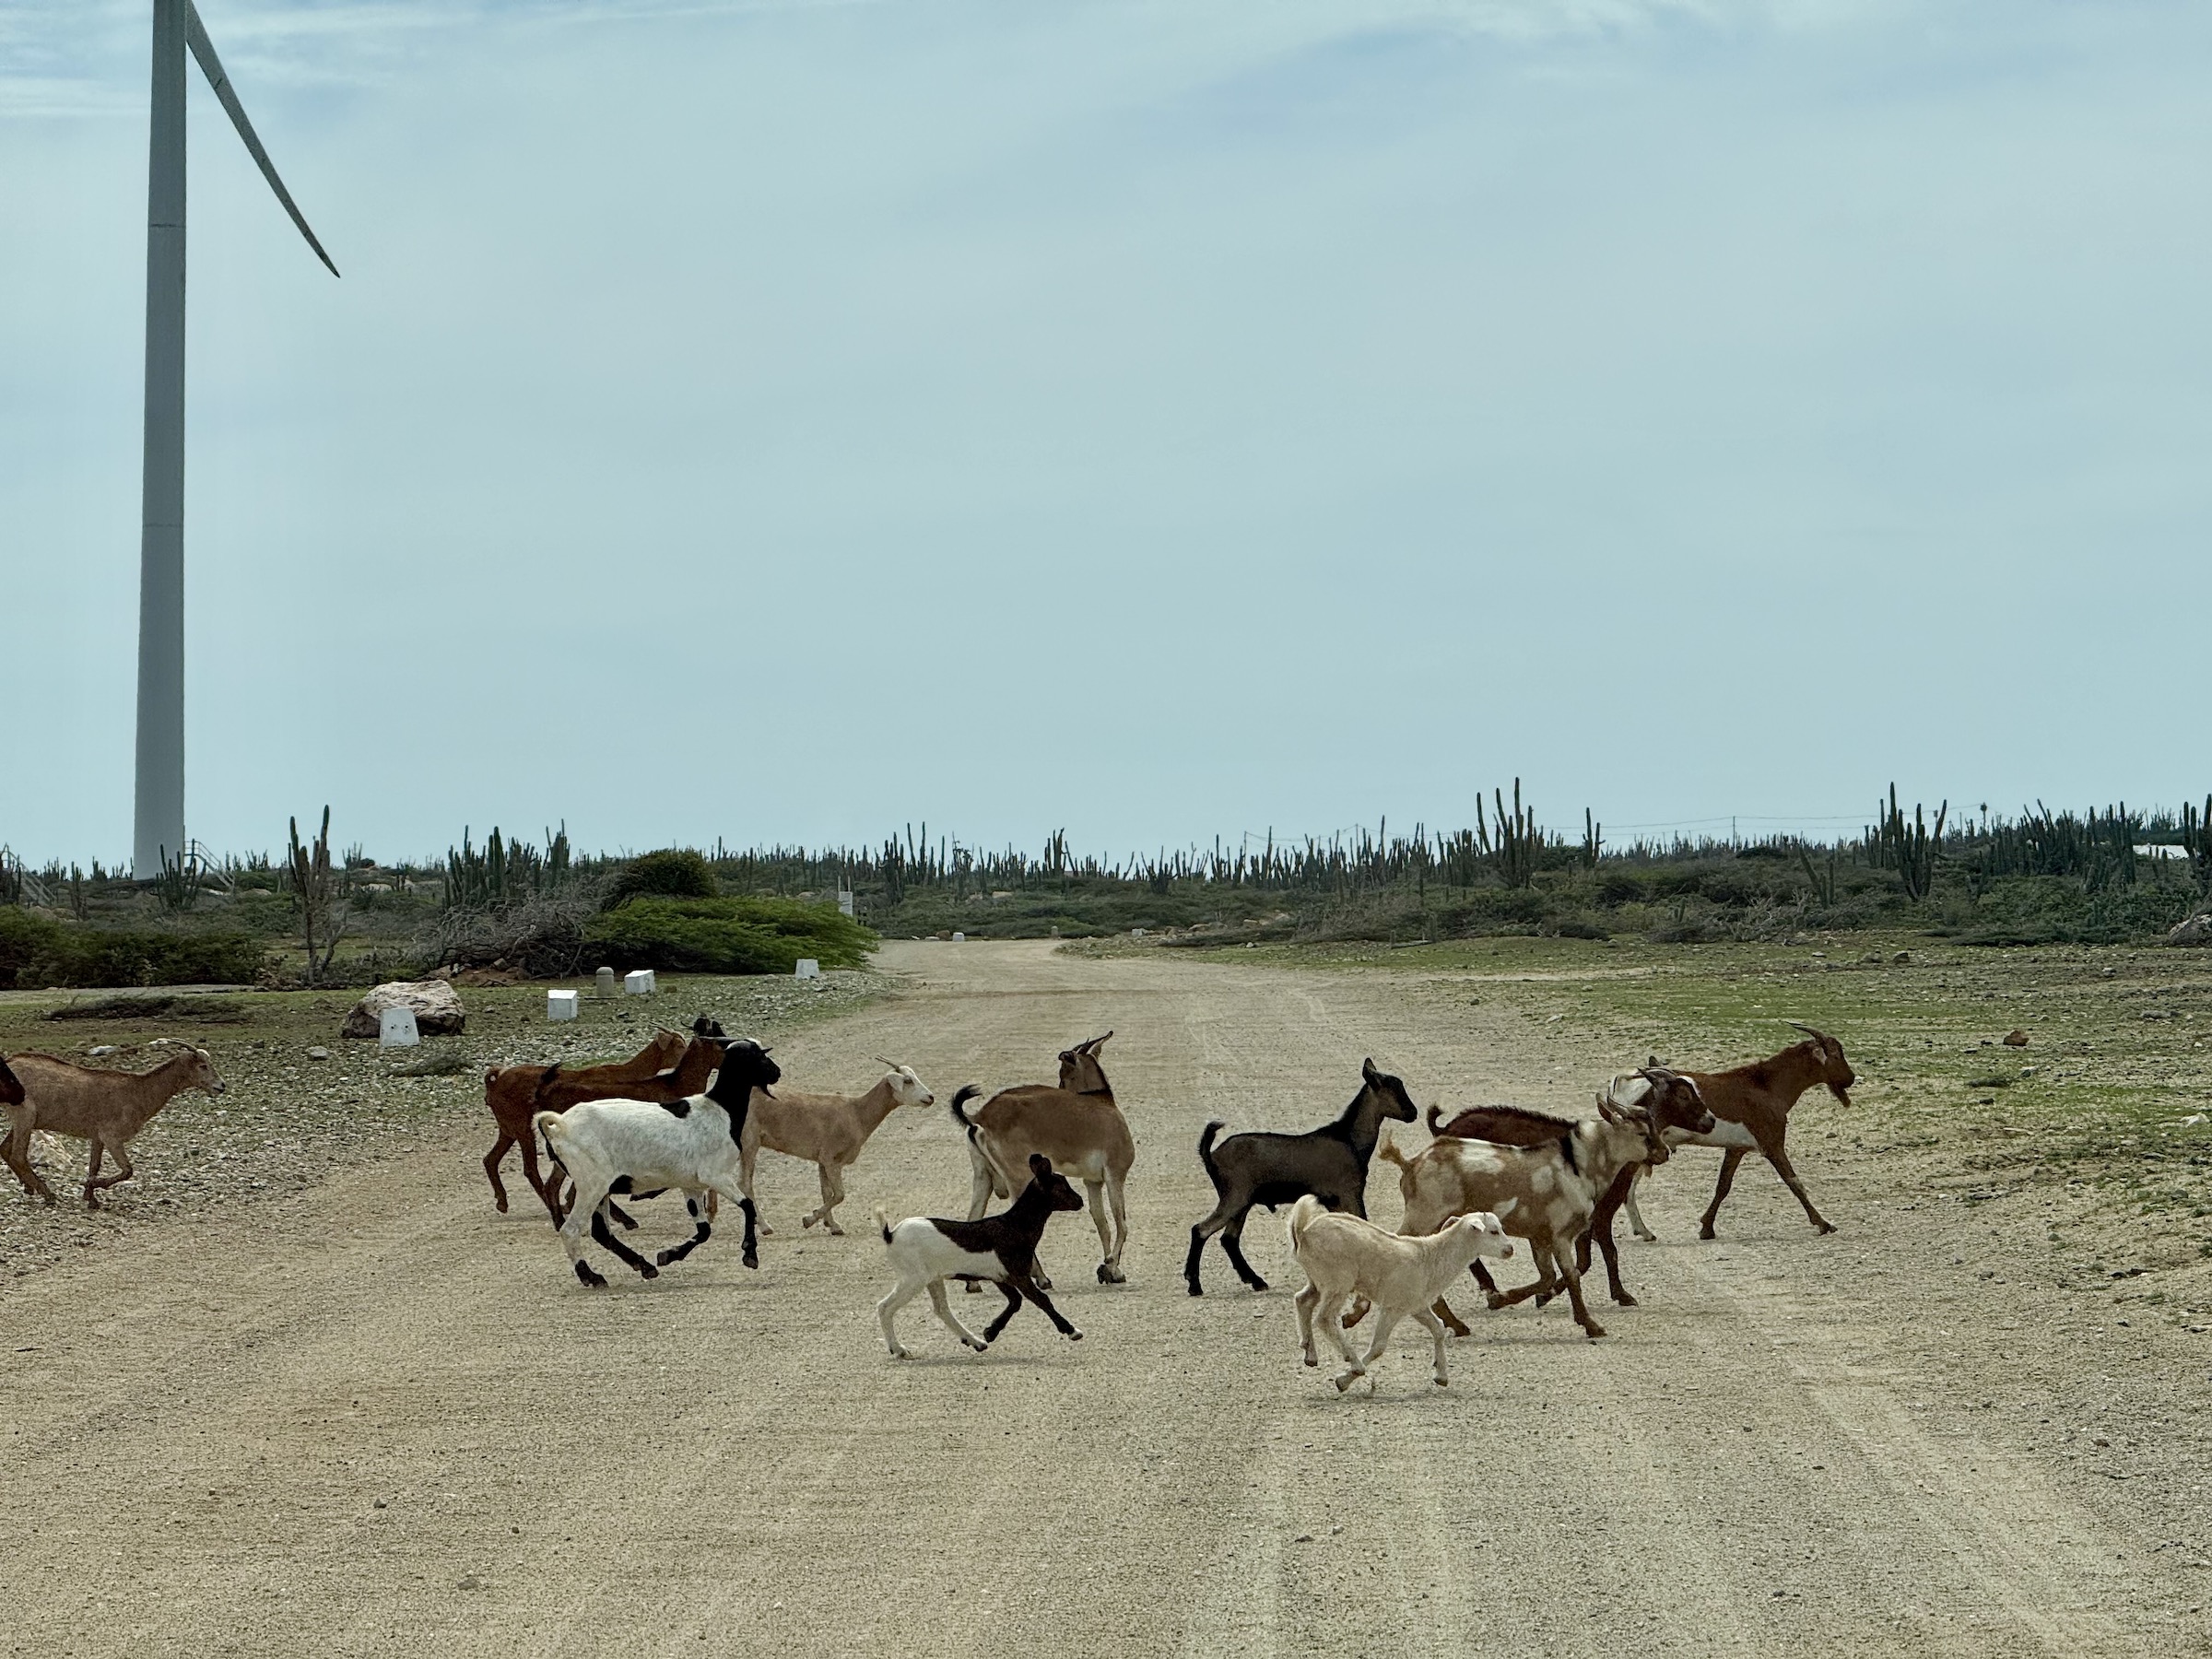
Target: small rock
[[2100, 1441], [1303, 1539], [318, 1053], [104, 1048], [378, 1505], [471, 1582], [1902, 956], [2016, 1038]]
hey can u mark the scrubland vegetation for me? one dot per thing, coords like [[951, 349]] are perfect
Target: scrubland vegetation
[[2108, 876]]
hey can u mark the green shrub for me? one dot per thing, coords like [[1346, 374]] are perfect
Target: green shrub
[[726, 936], [671, 873], [37, 953]]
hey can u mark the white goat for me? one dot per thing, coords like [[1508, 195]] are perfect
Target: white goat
[[827, 1131], [646, 1146], [1346, 1255]]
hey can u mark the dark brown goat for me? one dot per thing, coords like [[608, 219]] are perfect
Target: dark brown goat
[[1329, 1162]]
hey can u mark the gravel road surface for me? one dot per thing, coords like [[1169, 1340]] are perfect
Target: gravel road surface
[[379, 1419]]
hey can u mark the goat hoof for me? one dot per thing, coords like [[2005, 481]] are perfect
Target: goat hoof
[[1312, 1360], [661, 1258], [591, 1279], [1626, 1300], [1593, 1330], [649, 1271], [765, 1230], [501, 1205], [1443, 1382], [1706, 1231], [1827, 1227], [1256, 1283], [1496, 1300], [803, 1221], [1074, 1334], [832, 1228], [751, 1258], [1346, 1380]]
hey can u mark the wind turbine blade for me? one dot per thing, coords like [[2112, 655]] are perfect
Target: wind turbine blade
[[195, 35]]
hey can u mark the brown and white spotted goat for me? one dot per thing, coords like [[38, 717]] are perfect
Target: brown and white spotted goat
[[1543, 1193]]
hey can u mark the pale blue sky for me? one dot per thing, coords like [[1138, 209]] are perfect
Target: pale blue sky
[[783, 422]]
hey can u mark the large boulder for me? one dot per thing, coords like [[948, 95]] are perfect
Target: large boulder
[[2197, 930], [438, 1012]]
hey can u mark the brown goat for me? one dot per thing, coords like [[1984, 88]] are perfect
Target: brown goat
[[1753, 1103], [106, 1108], [515, 1094], [1077, 1125]]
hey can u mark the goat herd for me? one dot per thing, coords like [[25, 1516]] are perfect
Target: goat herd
[[692, 1115]]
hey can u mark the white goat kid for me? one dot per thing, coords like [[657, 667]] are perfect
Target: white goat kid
[[825, 1130], [1346, 1255]]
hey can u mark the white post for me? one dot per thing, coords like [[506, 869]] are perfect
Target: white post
[[158, 810]]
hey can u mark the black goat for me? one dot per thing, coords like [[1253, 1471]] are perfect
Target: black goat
[[1258, 1168]]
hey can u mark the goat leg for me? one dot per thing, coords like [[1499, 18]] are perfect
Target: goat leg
[[1442, 1309], [701, 1231], [1564, 1262], [1729, 1160], [1005, 1314], [1780, 1160], [493, 1159], [615, 1247], [1029, 1287], [944, 1307], [92, 1182], [1232, 1246], [17, 1150]]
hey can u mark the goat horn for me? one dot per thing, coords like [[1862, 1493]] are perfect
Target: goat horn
[[892, 1064]]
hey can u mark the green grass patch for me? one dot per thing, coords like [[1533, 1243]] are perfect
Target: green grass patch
[[726, 936]]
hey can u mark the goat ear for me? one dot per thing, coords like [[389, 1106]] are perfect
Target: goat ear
[[1039, 1165], [1367, 1068]]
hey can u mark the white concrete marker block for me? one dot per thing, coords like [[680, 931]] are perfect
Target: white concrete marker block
[[809, 967], [603, 982], [844, 904], [561, 1005], [959, 938], [395, 1029], [639, 982]]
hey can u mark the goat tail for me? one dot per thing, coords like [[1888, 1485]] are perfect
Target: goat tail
[[1302, 1217], [965, 1092], [549, 1127], [883, 1223], [1434, 1121], [1206, 1151]]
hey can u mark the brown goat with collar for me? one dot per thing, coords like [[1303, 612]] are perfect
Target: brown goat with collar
[[106, 1108], [514, 1093]]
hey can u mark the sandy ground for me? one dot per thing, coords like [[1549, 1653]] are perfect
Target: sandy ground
[[375, 1417]]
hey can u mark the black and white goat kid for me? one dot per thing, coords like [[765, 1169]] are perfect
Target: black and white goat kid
[[645, 1147], [925, 1251], [1329, 1162]]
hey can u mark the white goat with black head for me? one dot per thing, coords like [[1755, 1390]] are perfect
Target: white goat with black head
[[648, 1146]]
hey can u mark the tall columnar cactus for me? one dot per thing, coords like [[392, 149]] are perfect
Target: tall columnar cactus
[[315, 889], [1910, 849], [1513, 849], [2197, 838]]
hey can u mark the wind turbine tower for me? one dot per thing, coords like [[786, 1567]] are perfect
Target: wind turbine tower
[[158, 815]]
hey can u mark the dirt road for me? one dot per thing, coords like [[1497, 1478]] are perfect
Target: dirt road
[[381, 1418]]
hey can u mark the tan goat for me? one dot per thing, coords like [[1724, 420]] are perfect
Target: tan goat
[[1347, 1255], [1549, 1192], [106, 1108], [1077, 1125], [826, 1130]]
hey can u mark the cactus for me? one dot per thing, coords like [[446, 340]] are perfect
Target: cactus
[[2196, 839], [1912, 851], [315, 888], [1513, 852]]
